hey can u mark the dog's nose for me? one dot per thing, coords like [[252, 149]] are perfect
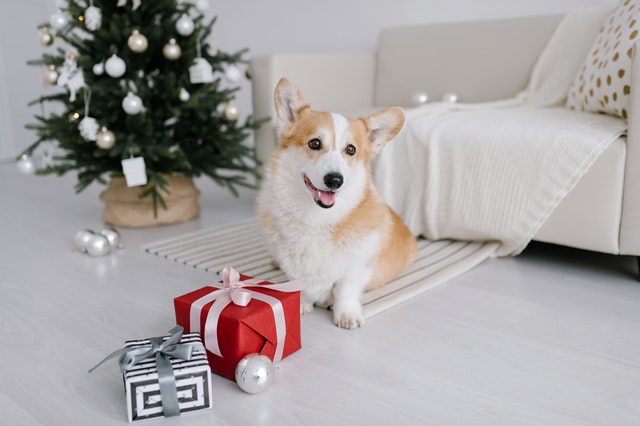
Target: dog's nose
[[333, 180]]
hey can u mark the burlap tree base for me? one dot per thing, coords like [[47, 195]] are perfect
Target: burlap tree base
[[124, 207]]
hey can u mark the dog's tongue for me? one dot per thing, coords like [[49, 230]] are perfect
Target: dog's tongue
[[327, 198]]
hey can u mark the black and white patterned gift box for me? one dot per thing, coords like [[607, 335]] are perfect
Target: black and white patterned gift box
[[193, 382]]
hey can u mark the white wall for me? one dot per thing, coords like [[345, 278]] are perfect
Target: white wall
[[262, 26], [19, 83], [351, 25]]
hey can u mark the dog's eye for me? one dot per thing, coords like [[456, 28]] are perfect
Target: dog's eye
[[350, 150], [315, 144]]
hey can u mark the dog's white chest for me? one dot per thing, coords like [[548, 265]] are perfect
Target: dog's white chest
[[313, 253]]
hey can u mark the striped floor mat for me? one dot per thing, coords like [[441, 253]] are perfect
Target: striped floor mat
[[241, 245]]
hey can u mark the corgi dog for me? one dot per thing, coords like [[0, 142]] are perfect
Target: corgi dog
[[323, 220]]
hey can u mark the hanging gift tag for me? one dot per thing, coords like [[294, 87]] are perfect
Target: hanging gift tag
[[201, 72], [135, 171]]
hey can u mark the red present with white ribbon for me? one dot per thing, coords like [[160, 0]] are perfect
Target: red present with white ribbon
[[242, 315]]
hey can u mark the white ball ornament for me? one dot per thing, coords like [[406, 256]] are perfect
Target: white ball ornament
[[137, 42], [26, 165], [185, 25], [45, 37], [202, 5], [105, 139], [98, 245], [255, 373], [419, 98], [82, 238], [232, 73], [172, 50], [232, 111], [132, 104], [115, 66], [98, 69]]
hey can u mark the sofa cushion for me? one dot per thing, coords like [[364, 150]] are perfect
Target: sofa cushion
[[603, 83]]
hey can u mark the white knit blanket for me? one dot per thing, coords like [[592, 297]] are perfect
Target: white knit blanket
[[495, 171]]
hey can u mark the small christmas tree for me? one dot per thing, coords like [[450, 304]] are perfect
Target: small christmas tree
[[141, 81]]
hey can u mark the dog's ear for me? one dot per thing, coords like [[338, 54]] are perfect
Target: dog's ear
[[382, 126], [289, 102]]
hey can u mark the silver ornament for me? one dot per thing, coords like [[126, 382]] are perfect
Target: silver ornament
[[137, 42], [93, 18], [26, 165], [172, 50], [132, 104], [59, 21], [45, 37], [115, 66], [185, 25], [113, 236], [98, 245], [255, 373], [450, 97], [232, 111], [419, 98], [81, 239], [105, 139]]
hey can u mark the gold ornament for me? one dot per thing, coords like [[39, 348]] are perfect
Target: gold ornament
[[172, 50], [105, 139], [50, 75], [232, 111], [137, 42], [45, 37]]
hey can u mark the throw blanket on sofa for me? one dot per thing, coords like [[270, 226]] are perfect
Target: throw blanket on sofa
[[495, 171]]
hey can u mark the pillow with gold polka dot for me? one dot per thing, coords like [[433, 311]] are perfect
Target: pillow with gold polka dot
[[603, 83]]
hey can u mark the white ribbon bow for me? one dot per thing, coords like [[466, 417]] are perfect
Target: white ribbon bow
[[236, 291]]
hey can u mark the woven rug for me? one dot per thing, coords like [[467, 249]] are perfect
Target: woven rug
[[242, 246]]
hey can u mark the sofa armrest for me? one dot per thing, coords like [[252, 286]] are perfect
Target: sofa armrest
[[329, 82], [630, 221]]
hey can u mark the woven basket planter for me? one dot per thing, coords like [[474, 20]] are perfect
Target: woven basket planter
[[124, 207]]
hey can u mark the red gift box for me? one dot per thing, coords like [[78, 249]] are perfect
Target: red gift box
[[268, 324]]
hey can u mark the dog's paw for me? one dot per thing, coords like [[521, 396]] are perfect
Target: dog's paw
[[347, 313], [305, 308], [348, 319]]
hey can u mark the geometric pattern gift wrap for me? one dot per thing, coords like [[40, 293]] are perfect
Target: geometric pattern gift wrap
[[193, 382]]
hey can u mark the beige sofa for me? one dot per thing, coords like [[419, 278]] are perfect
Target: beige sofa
[[480, 61]]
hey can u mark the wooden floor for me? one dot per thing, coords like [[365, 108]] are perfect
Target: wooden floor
[[551, 337]]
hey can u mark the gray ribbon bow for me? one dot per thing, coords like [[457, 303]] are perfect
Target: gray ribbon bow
[[162, 351]]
